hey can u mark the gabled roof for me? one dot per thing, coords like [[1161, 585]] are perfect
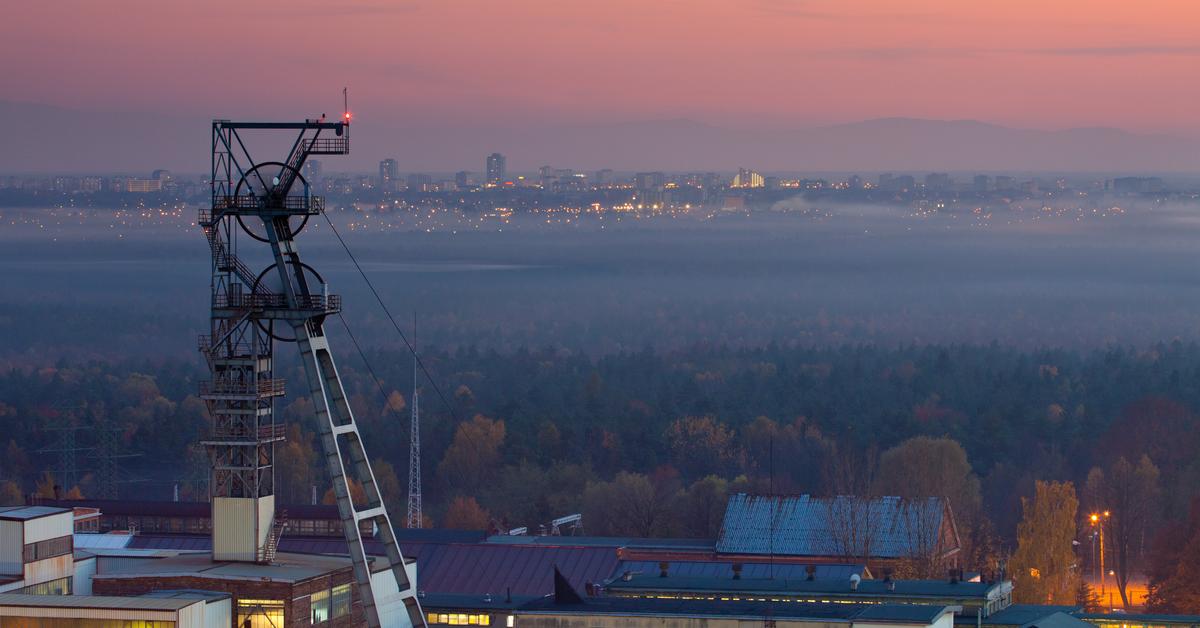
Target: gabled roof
[[802, 525]]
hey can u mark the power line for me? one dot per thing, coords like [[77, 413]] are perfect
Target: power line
[[420, 363]]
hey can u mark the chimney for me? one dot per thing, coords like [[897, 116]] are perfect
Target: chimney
[[508, 595], [662, 569], [737, 571], [811, 570], [953, 576]]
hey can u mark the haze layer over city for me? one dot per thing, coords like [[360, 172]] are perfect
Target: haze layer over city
[[885, 298]]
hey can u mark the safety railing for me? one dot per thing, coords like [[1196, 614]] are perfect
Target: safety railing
[[260, 388], [252, 203], [276, 301]]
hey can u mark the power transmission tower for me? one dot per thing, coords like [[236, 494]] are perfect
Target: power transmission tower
[[287, 302], [414, 446], [64, 421], [109, 454]]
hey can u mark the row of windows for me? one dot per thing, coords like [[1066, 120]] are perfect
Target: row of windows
[[460, 619], [62, 586], [330, 604], [48, 548], [200, 525]]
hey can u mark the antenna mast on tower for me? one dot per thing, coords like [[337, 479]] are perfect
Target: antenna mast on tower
[[414, 447]]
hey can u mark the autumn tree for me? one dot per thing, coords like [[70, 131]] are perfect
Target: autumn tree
[[700, 508], [10, 494], [473, 455], [464, 513], [357, 495], [394, 496], [701, 446], [1130, 494], [1044, 563], [921, 468], [792, 454], [628, 506], [854, 523], [298, 468], [1174, 567]]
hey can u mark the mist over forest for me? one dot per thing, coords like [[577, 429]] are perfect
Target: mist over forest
[[654, 355]]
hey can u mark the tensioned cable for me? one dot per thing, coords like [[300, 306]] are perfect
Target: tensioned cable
[[379, 299]]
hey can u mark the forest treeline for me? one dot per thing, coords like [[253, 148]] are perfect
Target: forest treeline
[[650, 443]]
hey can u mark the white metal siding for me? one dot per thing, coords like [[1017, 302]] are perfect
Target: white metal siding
[[84, 570], [191, 616], [40, 571], [266, 517], [234, 528], [218, 614], [50, 527], [12, 546]]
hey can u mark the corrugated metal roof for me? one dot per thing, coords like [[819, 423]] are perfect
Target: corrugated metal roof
[[201, 510], [26, 513], [750, 570], [296, 545], [96, 601], [801, 525], [874, 589], [102, 541], [526, 570], [871, 613], [605, 541]]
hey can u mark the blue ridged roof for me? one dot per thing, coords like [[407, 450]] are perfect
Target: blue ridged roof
[[526, 570], [802, 525]]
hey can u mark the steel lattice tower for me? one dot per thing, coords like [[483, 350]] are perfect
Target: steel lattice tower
[[269, 203], [414, 445]]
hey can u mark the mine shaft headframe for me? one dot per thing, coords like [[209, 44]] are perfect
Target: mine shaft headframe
[[243, 186]]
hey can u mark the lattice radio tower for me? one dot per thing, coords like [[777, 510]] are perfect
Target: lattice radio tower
[[414, 445], [269, 203]]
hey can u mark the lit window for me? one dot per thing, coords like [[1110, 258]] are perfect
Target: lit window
[[320, 606], [510, 622], [341, 600]]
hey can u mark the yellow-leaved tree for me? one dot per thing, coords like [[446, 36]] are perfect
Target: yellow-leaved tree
[[1043, 566]]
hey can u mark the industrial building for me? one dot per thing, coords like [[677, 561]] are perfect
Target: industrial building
[[164, 609], [37, 551], [805, 529]]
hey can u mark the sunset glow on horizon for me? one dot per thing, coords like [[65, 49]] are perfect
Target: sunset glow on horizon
[[1026, 64]]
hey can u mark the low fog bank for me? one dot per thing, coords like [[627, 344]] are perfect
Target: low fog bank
[[810, 275]]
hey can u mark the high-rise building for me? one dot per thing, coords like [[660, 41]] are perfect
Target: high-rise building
[[389, 175], [646, 181], [462, 179], [496, 170], [748, 179], [603, 177], [420, 182], [938, 181], [983, 183]]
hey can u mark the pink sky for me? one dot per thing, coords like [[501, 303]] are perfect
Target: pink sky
[[1042, 64]]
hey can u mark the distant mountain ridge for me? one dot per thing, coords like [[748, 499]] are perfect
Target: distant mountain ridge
[[43, 138]]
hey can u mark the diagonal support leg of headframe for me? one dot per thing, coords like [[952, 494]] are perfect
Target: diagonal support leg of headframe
[[347, 463]]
